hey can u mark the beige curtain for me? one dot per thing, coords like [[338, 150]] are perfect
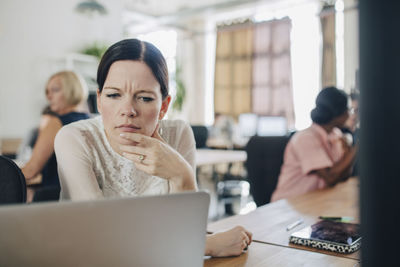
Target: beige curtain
[[328, 71], [272, 93], [253, 70], [233, 68]]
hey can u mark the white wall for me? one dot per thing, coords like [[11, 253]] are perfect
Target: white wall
[[193, 56], [32, 35], [306, 59], [351, 43]]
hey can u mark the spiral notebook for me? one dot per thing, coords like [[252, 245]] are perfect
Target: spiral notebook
[[328, 235]]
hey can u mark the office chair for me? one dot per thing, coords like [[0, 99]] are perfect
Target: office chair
[[264, 161], [12, 182], [200, 133]]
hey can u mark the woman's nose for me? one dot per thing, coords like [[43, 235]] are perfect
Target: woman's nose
[[128, 109]]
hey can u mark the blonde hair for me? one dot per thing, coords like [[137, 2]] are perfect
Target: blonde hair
[[73, 86]]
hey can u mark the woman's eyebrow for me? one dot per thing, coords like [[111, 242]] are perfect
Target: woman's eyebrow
[[146, 91], [112, 87]]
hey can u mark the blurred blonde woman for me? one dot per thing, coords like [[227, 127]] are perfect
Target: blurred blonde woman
[[65, 91]]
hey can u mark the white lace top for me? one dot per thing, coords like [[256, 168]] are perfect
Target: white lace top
[[89, 168]]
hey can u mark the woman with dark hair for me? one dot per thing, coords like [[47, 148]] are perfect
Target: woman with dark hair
[[129, 150], [320, 155]]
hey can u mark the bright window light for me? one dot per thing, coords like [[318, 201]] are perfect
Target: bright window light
[[166, 42], [305, 55], [339, 31], [209, 67]]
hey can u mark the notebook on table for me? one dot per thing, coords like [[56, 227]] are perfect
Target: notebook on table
[[166, 230], [329, 235]]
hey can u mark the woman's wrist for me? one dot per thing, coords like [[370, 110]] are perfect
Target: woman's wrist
[[209, 245], [228, 243], [184, 181], [28, 172]]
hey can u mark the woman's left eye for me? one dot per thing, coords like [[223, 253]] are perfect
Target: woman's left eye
[[113, 95], [146, 98]]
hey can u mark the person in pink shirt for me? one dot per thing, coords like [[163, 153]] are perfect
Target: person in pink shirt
[[318, 156]]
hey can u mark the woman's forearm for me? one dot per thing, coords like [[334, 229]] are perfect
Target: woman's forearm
[[341, 169], [43, 149], [30, 171]]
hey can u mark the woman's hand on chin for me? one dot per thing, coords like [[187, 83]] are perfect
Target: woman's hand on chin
[[155, 157]]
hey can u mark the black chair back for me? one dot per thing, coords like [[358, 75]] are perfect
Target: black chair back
[[200, 133], [264, 161], [12, 182]]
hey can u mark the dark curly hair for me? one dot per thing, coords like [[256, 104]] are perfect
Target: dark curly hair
[[330, 103]]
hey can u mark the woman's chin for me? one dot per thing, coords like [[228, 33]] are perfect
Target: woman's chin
[[124, 141]]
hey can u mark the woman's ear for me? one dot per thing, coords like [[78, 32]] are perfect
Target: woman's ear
[[164, 107], [98, 100]]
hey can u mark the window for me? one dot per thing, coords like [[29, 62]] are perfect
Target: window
[[166, 42]]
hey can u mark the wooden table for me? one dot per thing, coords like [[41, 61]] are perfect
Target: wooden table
[[268, 223], [260, 254]]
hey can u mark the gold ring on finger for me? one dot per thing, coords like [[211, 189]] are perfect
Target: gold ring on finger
[[141, 158]]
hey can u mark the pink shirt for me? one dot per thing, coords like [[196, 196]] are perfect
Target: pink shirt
[[308, 150]]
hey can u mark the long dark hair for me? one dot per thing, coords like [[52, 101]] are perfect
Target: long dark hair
[[134, 49]]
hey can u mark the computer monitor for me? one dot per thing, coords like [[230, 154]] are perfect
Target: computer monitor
[[271, 126], [248, 124]]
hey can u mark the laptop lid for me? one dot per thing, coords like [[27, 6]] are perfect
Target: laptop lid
[[167, 230]]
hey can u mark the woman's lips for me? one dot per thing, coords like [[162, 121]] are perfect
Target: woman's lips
[[128, 128]]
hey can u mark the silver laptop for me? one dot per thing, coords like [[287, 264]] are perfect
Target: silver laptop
[[166, 230]]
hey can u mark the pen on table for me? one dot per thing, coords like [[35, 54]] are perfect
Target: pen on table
[[337, 219], [294, 224]]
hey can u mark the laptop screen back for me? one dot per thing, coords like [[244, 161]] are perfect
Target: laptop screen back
[[166, 230]]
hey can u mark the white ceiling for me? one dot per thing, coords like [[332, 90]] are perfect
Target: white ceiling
[[159, 8], [142, 15]]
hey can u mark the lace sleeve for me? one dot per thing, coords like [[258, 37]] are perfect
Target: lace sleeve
[[186, 144], [77, 178]]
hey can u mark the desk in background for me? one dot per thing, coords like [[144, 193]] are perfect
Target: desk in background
[[214, 166], [214, 157], [217, 156], [9, 147], [268, 223]]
